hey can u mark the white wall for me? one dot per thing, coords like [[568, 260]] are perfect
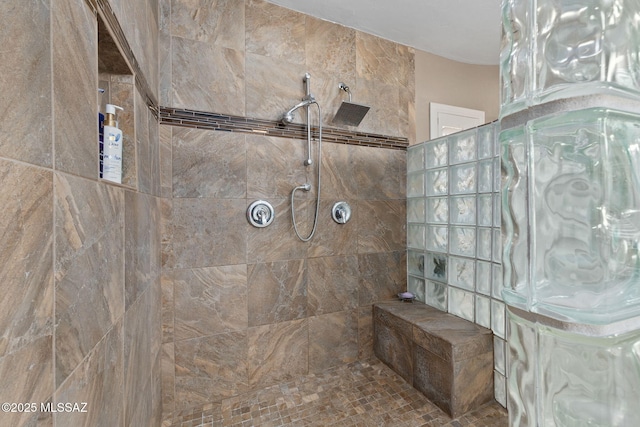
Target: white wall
[[454, 83]]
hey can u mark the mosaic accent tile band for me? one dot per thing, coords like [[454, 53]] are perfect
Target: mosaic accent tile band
[[229, 123]]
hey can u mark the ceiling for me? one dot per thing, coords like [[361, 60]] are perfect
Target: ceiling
[[463, 30]]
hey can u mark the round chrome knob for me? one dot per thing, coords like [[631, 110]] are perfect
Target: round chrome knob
[[260, 213], [341, 212]]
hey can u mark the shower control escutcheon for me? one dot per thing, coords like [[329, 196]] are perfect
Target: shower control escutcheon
[[260, 213], [341, 212]]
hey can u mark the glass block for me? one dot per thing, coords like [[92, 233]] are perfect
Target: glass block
[[500, 390], [437, 182], [498, 318], [415, 158], [560, 49], [522, 372], [497, 211], [584, 178], [484, 243], [497, 175], [437, 238], [463, 210], [515, 218], [586, 47], [587, 171], [436, 295], [436, 153], [436, 267], [497, 245], [483, 311], [515, 56], [463, 241], [589, 381], [579, 380], [462, 273], [438, 210], [416, 210], [485, 176], [462, 303], [463, 179], [485, 138], [496, 281], [496, 146], [462, 147], [416, 236], [415, 184], [500, 355], [483, 277], [485, 209], [415, 263], [416, 286]]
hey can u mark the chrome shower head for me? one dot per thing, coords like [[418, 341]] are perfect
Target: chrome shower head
[[349, 113], [287, 117]]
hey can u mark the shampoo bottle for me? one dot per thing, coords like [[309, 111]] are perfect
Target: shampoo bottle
[[112, 146]]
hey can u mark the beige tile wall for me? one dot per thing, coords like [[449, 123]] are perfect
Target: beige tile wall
[[139, 20], [295, 307], [243, 307], [80, 260]]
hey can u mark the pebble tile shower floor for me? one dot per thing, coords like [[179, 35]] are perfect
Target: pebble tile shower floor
[[359, 394]]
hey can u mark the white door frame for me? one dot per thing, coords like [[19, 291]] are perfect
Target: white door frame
[[466, 114]]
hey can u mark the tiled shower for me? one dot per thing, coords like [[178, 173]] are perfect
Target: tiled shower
[[453, 231], [243, 307], [154, 298]]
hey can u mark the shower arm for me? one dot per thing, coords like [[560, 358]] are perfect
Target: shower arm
[[345, 88]]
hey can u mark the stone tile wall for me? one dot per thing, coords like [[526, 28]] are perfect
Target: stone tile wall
[[245, 308], [81, 258], [288, 307], [79, 265], [248, 59]]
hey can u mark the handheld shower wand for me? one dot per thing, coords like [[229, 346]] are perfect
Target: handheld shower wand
[[288, 118]]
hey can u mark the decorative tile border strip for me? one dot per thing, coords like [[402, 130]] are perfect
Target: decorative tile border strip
[[110, 20], [228, 123]]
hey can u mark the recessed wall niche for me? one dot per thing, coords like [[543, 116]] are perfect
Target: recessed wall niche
[[118, 81]]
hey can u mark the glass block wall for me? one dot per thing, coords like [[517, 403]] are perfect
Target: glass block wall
[[570, 139], [453, 231]]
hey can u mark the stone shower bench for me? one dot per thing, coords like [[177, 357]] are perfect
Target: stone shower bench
[[446, 358]]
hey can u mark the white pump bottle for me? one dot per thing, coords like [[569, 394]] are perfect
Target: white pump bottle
[[112, 151]]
